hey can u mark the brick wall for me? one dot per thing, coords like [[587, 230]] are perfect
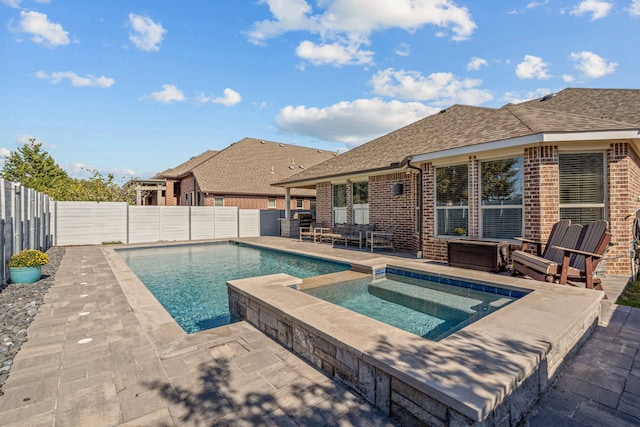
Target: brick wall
[[541, 191], [386, 210], [624, 190], [244, 201], [324, 210]]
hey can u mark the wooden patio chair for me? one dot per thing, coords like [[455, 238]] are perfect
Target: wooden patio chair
[[310, 231], [581, 249], [380, 239], [556, 235], [579, 264]]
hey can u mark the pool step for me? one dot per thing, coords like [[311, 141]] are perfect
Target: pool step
[[434, 302]]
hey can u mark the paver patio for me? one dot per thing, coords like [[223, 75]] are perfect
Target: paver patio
[[92, 360]]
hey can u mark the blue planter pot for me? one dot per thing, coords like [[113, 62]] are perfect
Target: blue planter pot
[[24, 274]]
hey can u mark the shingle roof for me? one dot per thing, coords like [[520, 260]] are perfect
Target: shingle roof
[[462, 126], [186, 166], [250, 166], [621, 105]]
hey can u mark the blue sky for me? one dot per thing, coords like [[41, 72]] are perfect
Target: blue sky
[[135, 87]]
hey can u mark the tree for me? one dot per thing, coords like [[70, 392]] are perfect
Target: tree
[[500, 181], [32, 167], [35, 168]]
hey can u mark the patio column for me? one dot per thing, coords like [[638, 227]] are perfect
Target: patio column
[[287, 202]]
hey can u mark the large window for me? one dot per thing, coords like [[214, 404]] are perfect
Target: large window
[[452, 200], [340, 204], [360, 196], [501, 200], [582, 187]]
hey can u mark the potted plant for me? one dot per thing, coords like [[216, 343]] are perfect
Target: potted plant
[[460, 231], [25, 266]]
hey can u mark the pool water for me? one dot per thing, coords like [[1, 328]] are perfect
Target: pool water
[[425, 308], [191, 281]]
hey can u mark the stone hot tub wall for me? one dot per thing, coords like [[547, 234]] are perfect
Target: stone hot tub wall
[[492, 372]]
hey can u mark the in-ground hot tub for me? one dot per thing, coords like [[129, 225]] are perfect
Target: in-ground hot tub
[[489, 372]]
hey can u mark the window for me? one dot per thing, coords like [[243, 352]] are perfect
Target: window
[[176, 189], [452, 200], [299, 203], [271, 203], [340, 204], [582, 187], [360, 203], [501, 198], [218, 201]]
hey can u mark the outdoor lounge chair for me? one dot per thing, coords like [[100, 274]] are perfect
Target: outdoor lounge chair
[[581, 248], [380, 239], [310, 231], [353, 233], [556, 236]]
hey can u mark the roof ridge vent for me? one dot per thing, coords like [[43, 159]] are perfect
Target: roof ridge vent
[[442, 111], [548, 97]]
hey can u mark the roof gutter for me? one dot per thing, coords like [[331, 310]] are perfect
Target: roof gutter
[[420, 204]]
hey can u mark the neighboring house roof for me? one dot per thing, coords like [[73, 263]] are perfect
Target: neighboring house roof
[[174, 173], [250, 166], [465, 126]]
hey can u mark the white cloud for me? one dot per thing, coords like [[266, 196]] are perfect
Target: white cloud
[[333, 54], [76, 80], [42, 31], [441, 89], [532, 67], [4, 152], [12, 3], [515, 97], [598, 9], [229, 98], [350, 23], [352, 123], [147, 35], [592, 66], [402, 50], [634, 8], [568, 78], [167, 95], [476, 63]]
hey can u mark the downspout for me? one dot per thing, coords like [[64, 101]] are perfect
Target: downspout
[[193, 201], [420, 204]]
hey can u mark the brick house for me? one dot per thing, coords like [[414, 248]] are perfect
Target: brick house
[[239, 175], [493, 174]]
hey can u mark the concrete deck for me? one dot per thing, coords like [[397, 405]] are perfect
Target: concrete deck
[[102, 352]]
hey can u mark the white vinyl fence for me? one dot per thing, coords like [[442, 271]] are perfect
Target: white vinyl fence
[[31, 220], [94, 223]]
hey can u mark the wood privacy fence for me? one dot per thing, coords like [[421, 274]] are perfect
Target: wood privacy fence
[[32, 220]]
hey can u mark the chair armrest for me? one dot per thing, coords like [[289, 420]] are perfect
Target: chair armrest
[[578, 252], [522, 239]]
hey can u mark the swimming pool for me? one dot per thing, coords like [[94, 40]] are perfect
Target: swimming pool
[[429, 307], [190, 280]]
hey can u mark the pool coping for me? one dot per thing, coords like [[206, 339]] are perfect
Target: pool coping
[[528, 339], [542, 328]]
